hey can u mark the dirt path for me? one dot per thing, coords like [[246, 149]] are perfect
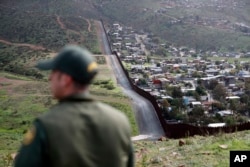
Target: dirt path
[[70, 31], [58, 19], [9, 84], [89, 25], [20, 88], [31, 46], [99, 36]]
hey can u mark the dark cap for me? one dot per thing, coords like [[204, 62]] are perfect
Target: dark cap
[[74, 61]]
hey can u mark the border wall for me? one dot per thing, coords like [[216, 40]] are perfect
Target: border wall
[[179, 130]]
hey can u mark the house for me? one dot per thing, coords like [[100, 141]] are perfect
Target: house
[[176, 67], [229, 80], [188, 99], [212, 71], [160, 83], [206, 81], [156, 70], [225, 112], [215, 125], [232, 98], [155, 93], [195, 104]]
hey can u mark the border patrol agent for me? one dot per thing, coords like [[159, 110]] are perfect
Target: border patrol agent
[[78, 131]]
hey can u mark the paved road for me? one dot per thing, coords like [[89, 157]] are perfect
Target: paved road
[[147, 120]]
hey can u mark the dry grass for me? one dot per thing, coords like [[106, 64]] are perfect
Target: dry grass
[[198, 151], [22, 99]]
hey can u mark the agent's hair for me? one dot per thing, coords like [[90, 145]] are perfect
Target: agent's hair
[[79, 85]]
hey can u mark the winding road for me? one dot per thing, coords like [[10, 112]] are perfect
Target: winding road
[[146, 117]]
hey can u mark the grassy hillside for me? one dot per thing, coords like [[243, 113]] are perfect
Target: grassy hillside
[[23, 98], [198, 151]]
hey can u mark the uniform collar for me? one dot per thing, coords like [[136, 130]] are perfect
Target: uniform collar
[[78, 97]]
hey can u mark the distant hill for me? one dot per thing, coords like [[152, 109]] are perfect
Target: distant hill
[[201, 24], [43, 22], [35, 29]]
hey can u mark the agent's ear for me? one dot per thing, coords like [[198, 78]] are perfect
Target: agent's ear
[[66, 80]]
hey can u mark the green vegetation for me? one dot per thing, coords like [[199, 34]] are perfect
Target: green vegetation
[[49, 25], [127, 110], [196, 151], [106, 91], [22, 99], [30, 32], [35, 21], [16, 115], [108, 84]]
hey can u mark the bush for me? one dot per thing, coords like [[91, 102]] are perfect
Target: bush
[[230, 120], [110, 86]]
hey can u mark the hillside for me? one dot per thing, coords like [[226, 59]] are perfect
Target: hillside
[[197, 151], [22, 99], [30, 31], [37, 29], [50, 27], [202, 24]]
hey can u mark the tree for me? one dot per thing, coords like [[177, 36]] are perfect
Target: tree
[[190, 93], [178, 103], [142, 81], [196, 74], [245, 99], [197, 112], [200, 90], [199, 81], [218, 106], [247, 86], [165, 110], [145, 76], [212, 84], [161, 51], [230, 120], [219, 92], [177, 93], [217, 62], [165, 103], [233, 105], [148, 59], [156, 40], [196, 115], [197, 96]]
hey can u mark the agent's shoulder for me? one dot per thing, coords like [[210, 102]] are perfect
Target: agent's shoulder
[[107, 107]]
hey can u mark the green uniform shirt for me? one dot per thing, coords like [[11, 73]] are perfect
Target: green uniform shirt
[[79, 132]]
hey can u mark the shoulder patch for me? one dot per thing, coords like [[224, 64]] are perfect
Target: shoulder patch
[[29, 136]]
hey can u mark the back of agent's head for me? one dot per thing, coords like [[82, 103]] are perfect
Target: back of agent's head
[[75, 61]]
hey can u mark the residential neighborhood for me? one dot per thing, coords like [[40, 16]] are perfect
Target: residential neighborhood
[[192, 86]]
